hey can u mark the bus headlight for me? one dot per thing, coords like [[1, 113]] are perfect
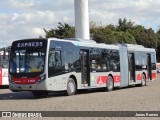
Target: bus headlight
[[41, 79], [10, 80]]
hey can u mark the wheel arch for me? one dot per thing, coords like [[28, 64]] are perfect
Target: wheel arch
[[143, 82], [145, 75], [109, 86], [112, 77], [74, 78]]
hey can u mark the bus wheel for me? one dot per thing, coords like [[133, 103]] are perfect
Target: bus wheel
[[40, 93], [110, 84], [71, 87], [143, 82]]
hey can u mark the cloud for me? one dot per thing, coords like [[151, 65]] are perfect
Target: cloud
[[27, 18], [20, 4], [23, 25], [109, 11], [37, 32]]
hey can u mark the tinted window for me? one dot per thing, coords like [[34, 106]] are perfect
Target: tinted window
[[55, 62], [141, 61], [153, 61], [27, 61], [104, 60], [71, 63], [114, 60]]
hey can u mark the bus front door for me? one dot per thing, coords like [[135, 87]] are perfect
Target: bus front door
[[85, 67], [149, 70], [132, 67]]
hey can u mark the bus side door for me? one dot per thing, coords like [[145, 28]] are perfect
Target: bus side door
[[84, 55], [132, 67], [149, 67]]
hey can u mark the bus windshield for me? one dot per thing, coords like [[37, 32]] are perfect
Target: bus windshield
[[27, 60]]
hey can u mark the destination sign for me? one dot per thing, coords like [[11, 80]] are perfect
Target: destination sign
[[29, 44]]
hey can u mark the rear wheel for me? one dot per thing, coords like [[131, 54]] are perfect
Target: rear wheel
[[71, 87], [110, 84], [143, 82], [40, 93]]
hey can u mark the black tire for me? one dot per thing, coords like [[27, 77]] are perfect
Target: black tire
[[143, 81], [71, 87], [110, 84], [39, 94]]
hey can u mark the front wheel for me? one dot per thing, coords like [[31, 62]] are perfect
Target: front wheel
[[110, 84], [143, 82], [71, 87]]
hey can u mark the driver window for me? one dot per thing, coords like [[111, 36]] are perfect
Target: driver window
[[55, 58], [58, 59], [52, 58]]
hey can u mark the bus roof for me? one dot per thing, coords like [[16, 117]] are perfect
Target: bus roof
[[92, 43], [135, 47], [87, 43]]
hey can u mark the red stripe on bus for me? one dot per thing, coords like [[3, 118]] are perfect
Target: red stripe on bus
[[117, 78], [139, 77], [0, 76], [25, 80], [154, 75], [146, 76], [102, 79]]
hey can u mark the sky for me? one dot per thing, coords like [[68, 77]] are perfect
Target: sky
[[20, 19]]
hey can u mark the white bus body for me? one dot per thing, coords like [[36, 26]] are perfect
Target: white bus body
[[43, 65]]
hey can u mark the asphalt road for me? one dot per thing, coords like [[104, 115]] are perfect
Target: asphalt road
[[126, 99]]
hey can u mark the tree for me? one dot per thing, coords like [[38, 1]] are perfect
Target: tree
[[124, 24], [125, 37], [110, 35], [103, 34], [124, 32], [158, 46], [62, 31], [145, 37]]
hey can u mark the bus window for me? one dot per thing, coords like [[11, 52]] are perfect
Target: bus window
[[153, 61], [52, 58], [27, 61], [58, 59], [114, 60], [55, 58], [55, 62]]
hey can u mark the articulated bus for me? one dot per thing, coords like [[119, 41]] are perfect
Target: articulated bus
[[4, 62], [45, 65]]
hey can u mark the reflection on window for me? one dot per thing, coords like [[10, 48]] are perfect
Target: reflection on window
[[141, 61], [55, 66], [55, 58], [153, 61], [52, 58], [23, 61], [153, 57], [104, 60]]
